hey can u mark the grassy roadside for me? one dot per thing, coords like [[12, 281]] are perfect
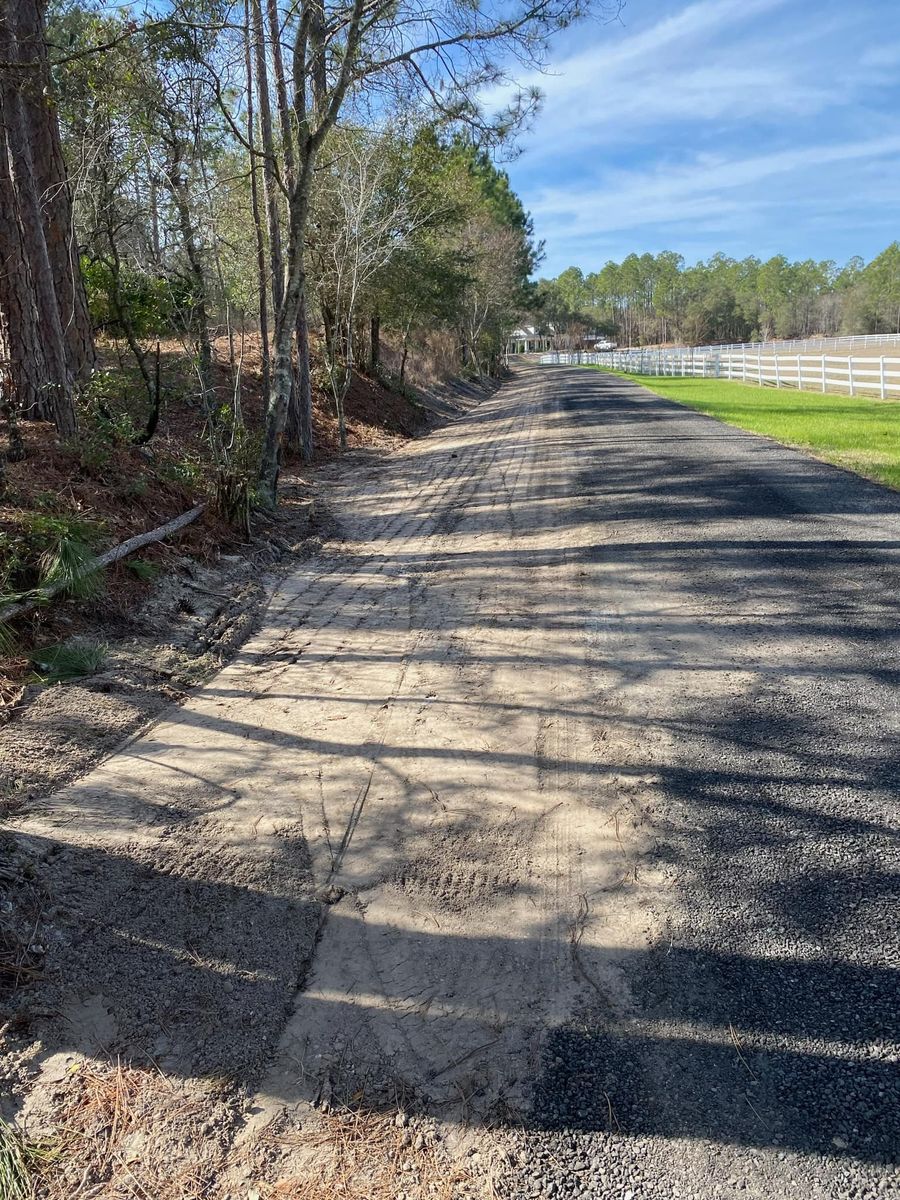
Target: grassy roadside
[[856, 432]]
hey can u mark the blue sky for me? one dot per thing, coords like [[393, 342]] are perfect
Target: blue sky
[[746, 126]]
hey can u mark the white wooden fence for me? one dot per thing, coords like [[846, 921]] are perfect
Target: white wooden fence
[[841, 374], [852, 341]]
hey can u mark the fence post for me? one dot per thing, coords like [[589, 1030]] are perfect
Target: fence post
[[744, 366], [850, 373], [882, 377], [777, 373]]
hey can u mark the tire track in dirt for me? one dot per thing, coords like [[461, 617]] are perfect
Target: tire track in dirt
[[457, 829]]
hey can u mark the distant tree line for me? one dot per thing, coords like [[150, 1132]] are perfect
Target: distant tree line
[[647, 299]]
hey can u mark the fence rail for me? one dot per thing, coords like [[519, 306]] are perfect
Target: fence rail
[[850, 341], [839, 374]]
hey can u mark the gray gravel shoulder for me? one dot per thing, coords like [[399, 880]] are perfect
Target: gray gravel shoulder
[[756, 607]]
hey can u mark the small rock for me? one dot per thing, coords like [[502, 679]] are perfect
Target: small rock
[[401, 1120]]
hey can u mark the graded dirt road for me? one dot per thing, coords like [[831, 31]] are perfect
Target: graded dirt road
[[558, 795]]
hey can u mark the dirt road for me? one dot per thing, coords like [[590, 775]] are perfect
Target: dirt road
[[560, 791]]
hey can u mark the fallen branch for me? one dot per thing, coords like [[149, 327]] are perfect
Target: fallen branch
[[43, 595]]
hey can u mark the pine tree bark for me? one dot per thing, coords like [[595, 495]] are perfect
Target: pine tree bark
[[42, 302], [51, 179], [21, 345], [57, 383]]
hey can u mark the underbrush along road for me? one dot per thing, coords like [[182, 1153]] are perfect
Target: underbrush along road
[[559, 793]]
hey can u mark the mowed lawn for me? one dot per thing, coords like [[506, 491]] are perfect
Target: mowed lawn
[[856, 432]]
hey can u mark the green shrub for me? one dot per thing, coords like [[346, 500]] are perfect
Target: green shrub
[[66, 553], [147, 304], [145, 571], [185, 471], [20, 1160], [134, 489], [49, 549], [15, 1167], [68, 660]]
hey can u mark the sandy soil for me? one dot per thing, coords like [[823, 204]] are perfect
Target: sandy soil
[[407, 852]]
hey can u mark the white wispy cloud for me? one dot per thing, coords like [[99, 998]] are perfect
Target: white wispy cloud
[[702, 187], [689, 67], [724, 124]]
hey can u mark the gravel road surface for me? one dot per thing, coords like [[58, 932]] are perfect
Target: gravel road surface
[[559, 794]]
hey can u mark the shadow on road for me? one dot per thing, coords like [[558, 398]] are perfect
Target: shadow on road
[[767, 1014]]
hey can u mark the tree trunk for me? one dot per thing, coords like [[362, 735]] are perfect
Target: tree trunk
[[285, 329], [293, 422], [404, 354], [346, 353], [374, 343], [51, 180], [21, 345], [304, 383], [270, 181], [42, 298], [279, 398], [57, 383], [199, 312], [261, 273]]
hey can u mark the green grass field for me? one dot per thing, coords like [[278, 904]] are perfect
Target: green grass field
[[857, 432]]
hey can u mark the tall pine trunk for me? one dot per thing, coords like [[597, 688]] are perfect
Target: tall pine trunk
[[44, 313], [261, 272], [55, 193]]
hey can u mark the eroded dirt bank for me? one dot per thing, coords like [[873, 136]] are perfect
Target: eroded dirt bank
[[547, 820]]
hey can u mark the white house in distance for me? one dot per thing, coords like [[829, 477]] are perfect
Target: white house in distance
[[527, 340]]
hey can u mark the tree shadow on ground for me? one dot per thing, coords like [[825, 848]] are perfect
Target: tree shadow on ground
[[773, 819]]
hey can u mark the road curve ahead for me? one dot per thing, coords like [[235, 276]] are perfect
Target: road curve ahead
[[559, 793]]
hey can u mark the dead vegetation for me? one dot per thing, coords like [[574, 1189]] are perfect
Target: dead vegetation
[[119, 1132], [123, 1133], [363, 1155]]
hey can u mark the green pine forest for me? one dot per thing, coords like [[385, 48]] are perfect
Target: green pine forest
[[647, 299]]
